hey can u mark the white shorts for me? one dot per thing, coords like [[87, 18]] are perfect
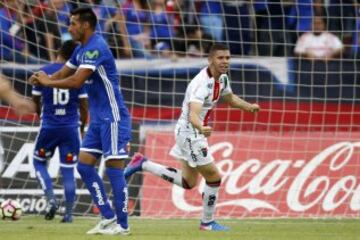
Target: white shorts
[[193, 148]]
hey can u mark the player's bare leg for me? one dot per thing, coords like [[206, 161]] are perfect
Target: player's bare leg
[[185, 178], [87, 158], [210, 195], [189, 174]]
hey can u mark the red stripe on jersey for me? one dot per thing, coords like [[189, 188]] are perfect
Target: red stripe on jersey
[[207, 117], [216, 92], [216, 95]]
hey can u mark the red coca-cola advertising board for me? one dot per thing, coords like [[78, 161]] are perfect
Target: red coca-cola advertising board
[[265, 174]]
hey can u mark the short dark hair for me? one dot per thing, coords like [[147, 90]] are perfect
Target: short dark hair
[[217, 47], [86, 14], [66, 49]]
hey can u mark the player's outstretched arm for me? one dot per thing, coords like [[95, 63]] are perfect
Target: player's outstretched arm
[[236, 102], [18, 102], [74, 81], [64, 72]]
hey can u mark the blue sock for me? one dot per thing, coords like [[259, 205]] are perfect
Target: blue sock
[[120, 192], [69, 188], [96, 188], [44, 179]]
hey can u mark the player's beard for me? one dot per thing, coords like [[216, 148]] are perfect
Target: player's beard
[[74, 37], [78, 35], [223, 69], [81, 35]]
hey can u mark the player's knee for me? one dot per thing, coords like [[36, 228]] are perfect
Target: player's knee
[[213, 178], [69, 187], [212, 175], [37, 163], [115, 163], [68, 179], [188, 184], [215, 183], [80, 168]]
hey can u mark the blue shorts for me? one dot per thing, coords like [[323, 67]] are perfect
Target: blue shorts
[[66, 138], [109, 139]]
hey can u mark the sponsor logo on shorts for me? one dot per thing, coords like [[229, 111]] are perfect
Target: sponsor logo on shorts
[[69, 157], [204, 152], [42, 152]]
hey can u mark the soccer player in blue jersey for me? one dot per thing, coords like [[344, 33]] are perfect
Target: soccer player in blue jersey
[[110, 125], [59, 112]]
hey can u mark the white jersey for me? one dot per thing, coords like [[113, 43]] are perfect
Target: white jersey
[[205, 90], [191, 146]]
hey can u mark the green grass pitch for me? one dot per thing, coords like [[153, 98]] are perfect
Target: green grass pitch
[[36, 228]]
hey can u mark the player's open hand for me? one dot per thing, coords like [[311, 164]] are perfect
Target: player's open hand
[[206, 130], [254, 108]]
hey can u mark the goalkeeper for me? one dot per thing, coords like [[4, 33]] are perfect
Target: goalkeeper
[[191, 132]]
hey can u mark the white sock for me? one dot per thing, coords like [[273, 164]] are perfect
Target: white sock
[[210, 196], [167, 173]]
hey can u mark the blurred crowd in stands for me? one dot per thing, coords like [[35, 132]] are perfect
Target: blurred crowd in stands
[[319, 29]]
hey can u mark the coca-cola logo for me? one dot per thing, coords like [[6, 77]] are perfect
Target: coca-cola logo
[[327, 180]]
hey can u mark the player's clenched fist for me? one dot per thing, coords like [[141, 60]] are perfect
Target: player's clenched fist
[[254, 108], [206, 130], [33, 80], [39, 78]]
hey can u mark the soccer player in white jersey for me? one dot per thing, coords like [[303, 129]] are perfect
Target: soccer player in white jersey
[[191, 132]]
